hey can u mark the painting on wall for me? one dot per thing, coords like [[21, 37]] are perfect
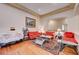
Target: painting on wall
[[30, 22]]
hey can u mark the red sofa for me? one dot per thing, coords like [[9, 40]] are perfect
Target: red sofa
[[50, 33], [69, 36], [33, 35]]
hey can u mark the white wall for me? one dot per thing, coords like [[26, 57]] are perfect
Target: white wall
[[10, 17]]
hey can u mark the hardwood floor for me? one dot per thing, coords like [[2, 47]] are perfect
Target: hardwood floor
[[23, 48]]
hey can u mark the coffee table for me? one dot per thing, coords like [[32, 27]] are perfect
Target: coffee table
[[43, 38]]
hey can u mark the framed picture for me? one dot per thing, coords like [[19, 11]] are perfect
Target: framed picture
[[30, 22]]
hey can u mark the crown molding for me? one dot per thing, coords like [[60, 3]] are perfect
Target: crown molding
[[76, 9], [60, 10], [27, 10], [22, 8]]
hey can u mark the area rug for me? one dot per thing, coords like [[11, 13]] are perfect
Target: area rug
[[51, 46], [54, 48]]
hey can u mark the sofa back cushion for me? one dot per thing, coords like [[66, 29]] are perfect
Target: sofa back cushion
[[50, 33], [33, 35], [70, 40], [69, 34]]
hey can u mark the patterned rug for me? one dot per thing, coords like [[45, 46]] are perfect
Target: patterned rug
[[51, 46]]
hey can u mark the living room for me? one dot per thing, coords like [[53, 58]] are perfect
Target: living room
[[39, 19]]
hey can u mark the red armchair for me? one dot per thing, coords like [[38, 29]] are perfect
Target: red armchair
[[69, 36]]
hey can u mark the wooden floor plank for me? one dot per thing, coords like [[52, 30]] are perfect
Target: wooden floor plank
[[23, 48]]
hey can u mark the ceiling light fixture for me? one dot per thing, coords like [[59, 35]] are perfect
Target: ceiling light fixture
[[39, 9]]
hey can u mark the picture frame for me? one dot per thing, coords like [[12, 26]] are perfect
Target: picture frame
[[30, 22]]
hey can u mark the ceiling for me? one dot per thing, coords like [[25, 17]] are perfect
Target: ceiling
[[43, 8]]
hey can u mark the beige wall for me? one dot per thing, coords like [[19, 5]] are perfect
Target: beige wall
[[76, 10], [10, 16], [58, 19], [73, 24], [54, 24]]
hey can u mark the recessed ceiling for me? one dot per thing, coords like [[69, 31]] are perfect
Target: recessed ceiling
[[42, 8]]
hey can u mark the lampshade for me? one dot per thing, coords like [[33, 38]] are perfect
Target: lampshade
[[42, 29]]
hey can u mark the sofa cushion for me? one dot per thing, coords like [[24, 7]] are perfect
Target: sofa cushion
[[33, 35], [70, 39], [69, 34], [50, 33]]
